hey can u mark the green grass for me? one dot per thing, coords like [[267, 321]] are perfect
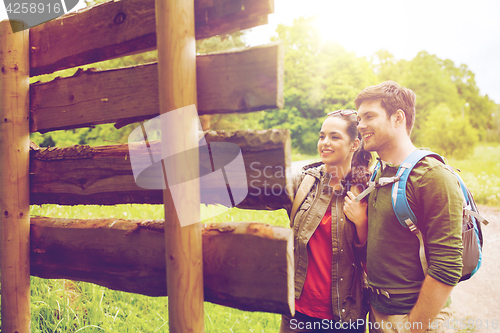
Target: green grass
[[70, 306], [481, 173], [144, 212], [67, 306]]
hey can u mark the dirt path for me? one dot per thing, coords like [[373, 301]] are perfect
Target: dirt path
[[479, 297]]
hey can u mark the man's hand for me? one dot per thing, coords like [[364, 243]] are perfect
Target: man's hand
[[431, 300]]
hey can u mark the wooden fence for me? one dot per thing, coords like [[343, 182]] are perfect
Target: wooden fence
[[245, 265]]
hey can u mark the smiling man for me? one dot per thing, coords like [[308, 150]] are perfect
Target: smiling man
[[403, 297]]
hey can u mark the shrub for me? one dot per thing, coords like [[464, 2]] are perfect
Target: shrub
[[448, 134]]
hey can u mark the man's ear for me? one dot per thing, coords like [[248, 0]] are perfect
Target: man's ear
[[400, 118]]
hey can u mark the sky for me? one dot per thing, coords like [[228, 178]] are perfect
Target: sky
[[465, 31]]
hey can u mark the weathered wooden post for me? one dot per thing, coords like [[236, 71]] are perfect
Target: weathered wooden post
[[14, 178], [177, 89]]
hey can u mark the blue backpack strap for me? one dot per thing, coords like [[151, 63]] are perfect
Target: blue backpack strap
[[407, 219], [374, 174], [371, 184], [400, 202], [399, 199]]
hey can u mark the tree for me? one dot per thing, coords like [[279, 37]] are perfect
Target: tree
[[493, 134], [424, 75], [387, 67], [437, 81], [448, 134], [320, 76], [478, 108], [236, 40]]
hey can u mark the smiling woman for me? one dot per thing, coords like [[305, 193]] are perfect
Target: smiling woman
[[327, 224]]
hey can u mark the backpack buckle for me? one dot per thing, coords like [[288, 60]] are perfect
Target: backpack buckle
[[369, 189], [387, 180], [413, 228]]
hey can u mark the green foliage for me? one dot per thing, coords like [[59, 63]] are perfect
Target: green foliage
[[493, 133], [478, 108], [236, 40], [322, 76], [436, 81], [67, 306], [480, 173], [386, 67], [448, 133], [98, 135], [319, 77], [133, 211], [237, 121]]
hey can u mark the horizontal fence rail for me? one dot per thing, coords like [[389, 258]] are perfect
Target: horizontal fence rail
[[242, 81], [118, 28], [103, 175], [245, 265]]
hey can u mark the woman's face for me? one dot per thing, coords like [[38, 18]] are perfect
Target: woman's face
[[334, 145]]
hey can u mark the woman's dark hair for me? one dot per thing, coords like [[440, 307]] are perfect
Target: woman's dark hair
[[361, 160]]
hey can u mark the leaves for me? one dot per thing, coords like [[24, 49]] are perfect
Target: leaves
[[436, 81], [319, 77], [322, 76], [448, 133]]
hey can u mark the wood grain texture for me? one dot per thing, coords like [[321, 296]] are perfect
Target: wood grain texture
[[103, 175], [246, 265], [118, 28], [14, 177], [243, 81], [177, 95]]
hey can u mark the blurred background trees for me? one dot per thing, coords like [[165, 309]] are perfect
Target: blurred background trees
[[322, 76], [452, 115]]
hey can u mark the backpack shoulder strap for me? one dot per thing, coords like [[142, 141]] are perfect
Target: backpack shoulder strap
[[371, 184], [399, 199], [374, 174], [304, 188], [470, 205], [400, 203]]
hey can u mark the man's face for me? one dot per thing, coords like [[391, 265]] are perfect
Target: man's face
[[375, 127]]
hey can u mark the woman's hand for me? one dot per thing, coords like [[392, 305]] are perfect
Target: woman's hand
[[357, 213]]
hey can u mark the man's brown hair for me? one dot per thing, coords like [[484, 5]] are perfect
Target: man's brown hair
[[392, 97]]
